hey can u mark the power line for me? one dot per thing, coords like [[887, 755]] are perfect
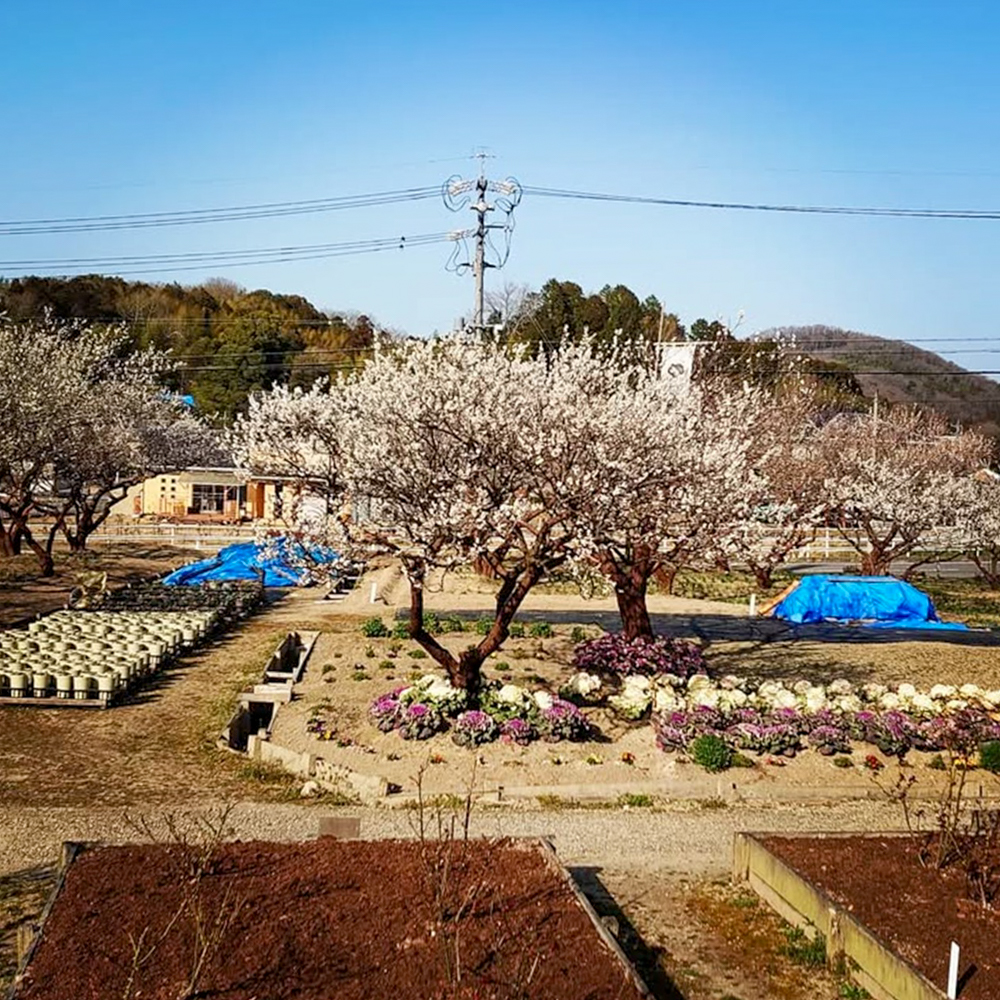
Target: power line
[[268, 210], [905, 213], [155, 263]]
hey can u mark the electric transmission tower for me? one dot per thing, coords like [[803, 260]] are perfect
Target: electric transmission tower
[[459, 193]]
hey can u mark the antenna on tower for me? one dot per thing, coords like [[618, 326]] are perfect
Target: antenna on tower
[[459, 193]]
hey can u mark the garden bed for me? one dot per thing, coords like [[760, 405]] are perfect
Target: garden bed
[[879, 907], [328, 918]]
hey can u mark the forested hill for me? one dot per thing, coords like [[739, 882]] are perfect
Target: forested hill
[[902, 373], [229, 341]]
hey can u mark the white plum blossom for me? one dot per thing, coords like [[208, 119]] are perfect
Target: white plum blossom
[[892, 478]]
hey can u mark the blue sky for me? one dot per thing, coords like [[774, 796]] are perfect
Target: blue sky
[[123, 107]]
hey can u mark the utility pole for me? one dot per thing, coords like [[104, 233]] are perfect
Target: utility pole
[[457, 194]]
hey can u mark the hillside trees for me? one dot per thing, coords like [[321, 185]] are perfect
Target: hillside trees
[[81, 420], [232, 341]]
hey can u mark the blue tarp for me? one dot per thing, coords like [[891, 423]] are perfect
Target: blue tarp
[[878, 601], [245, 560]]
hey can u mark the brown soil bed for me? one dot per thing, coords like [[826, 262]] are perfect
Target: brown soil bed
[[322, 919], [916, 910]]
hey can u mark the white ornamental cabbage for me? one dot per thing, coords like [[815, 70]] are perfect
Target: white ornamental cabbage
[[542, 699], [840, 687], [923, 703], [814, 699], [942, 692], [582, 685], [667, 700], [906, 691], [873, 692]]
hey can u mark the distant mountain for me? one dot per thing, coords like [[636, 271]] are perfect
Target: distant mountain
[[901, 373]]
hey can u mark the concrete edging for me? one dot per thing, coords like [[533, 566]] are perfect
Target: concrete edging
[[875, 966]]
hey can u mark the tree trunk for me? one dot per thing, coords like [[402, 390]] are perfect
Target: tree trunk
[[875, 563], [665, 576], [43, 553], [763, 575], [633, 611]]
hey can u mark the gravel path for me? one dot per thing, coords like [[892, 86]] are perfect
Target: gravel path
[[687, 839]]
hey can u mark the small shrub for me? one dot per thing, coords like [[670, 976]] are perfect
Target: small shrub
[[843, 762], [431, 621], [386, 665], [482, 625], [452, 624], [540, 630], [370, 652], [417, 654], [360, 675], [327, 667], [593, 758], [937, 763], [401, 630], [516, 630], [741, 760], [503, 667], [577, 635], [415, 675], [394, 647], [374, 628], [989, 756], [711, 752]]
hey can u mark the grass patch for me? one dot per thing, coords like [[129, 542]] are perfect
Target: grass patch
[[803, 949]]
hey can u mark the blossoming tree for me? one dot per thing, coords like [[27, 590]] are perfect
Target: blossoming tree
[[81, 419], [977, 517], [891, 479], [446, 453]]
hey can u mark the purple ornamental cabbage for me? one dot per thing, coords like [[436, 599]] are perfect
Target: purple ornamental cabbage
[[616, 655]]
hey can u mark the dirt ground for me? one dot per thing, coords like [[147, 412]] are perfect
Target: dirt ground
[[159, 748], [25, 594]]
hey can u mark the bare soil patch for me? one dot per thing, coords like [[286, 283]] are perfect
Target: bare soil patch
[[327, 918], [916, 910]]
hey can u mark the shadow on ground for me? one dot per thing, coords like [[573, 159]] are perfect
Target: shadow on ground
[[735, 628], [645, 958]]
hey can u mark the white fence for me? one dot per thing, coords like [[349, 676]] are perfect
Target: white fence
[[828, 545], [187, 536]]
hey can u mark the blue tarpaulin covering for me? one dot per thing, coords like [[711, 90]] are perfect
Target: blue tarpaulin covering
[[245, 560], [878, 601]]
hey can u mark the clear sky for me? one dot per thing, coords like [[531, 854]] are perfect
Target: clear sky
[[124, 107]]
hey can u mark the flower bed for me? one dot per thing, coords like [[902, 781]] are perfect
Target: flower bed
[[506, 712], [772, 717], [349, 919]]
